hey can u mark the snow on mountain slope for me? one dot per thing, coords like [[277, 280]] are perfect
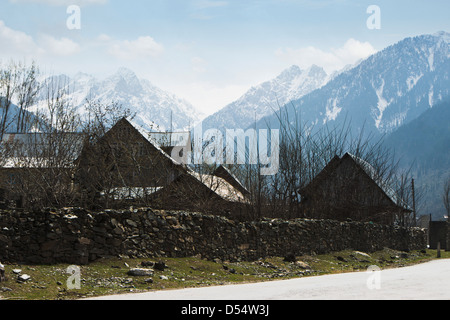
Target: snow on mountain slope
[[154, 108], [264, 99], [383, 92]]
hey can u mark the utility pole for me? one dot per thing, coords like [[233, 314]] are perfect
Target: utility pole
[[171, 128]]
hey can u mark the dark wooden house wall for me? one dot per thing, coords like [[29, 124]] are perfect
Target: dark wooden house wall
[[343, 190]]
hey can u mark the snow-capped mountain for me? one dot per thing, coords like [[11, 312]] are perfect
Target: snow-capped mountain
[[266, 98], [10, 119], [383, 92], [423, 146], [154, 108]]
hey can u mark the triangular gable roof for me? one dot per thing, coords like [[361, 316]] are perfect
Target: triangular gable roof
[[226, 174], [322, 175], [380, 182], [367, 169], [220, 187], [147, 135]]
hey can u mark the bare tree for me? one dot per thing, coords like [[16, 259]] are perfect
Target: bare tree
[[305, 151], [8, 85], [27, 91], [43, 159], [18, 90], [18, 84]]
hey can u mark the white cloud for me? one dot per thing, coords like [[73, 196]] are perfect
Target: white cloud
[[141, 48], [17, 44], [59, 47], [103, 38], [355, 50], [332, 60], [63, 2]]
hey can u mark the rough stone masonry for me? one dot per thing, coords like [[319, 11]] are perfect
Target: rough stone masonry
[[79, 236]]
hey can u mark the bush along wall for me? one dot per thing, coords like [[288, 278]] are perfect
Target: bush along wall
[[79, 236]]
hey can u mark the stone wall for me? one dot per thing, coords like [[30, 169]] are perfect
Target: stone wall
[[78, 236]]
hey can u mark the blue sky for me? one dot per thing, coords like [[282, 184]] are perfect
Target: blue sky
[[207, 51]]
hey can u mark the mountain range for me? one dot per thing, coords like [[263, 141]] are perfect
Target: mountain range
[[383, 92], [266, 98], [154, 108], [423, 145]]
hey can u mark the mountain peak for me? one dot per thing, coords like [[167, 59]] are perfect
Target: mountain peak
[[443, 35], [125, 81], [125, 72], [315, 67], [388, 89], [150, 103], [290, 72], [260, 101], [83, 77], [315, 70], [294, 68], [295, 71]]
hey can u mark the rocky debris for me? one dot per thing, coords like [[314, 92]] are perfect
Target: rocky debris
[[160, 266], [364, 261], [362, 254], [290, 258], [265, 264], [147, 264], [114, 282], [23, 278], [140, 272], [360, 257], [303, 265]]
